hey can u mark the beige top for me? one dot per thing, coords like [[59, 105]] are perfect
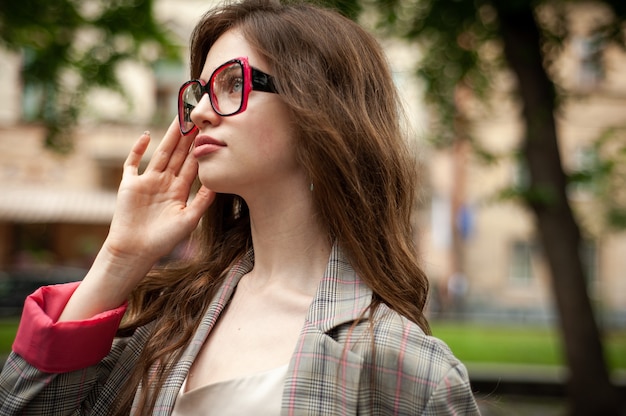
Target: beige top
[[259, 394]]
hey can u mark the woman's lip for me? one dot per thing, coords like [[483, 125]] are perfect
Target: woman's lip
[[202, 140], [203, 145]]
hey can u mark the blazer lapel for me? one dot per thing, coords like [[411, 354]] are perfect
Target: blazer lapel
[[171, 388], [341, 297], [324, 375]]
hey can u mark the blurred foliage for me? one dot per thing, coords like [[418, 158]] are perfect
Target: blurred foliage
[[71, 46], [461, 44], [604, 176], [601, 176]]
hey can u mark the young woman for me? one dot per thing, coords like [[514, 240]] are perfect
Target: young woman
[[304, 296]]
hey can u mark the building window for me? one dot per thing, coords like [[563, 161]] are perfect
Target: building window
[[31, 99], [33, 244], [169, 75], [520, 176], [583, 168], [588, 51], [521, 270]]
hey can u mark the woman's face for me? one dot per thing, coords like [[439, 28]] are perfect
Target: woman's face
[[250, 152]]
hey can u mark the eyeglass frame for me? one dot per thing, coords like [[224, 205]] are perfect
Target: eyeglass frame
[[254, 80]]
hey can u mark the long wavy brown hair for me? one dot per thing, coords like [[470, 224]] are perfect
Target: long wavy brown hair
[[350, 140]]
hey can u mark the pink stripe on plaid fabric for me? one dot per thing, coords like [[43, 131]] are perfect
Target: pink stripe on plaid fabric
[[297, 357], [345, 364], [449, 398], [401, 353]]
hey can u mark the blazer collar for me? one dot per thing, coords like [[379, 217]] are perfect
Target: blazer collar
[[341, 296]]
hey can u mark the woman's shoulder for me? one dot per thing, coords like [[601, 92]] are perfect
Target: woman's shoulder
[[411, 368], [395, 335]]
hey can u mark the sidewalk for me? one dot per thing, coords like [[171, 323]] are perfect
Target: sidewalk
[[536, 380], [523, 390]]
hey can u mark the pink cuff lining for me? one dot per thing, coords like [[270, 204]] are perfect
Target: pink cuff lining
[[60, 347]]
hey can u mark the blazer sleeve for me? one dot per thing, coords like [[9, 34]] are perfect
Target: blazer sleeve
[[453, 395], [417, 373], [56, 366]]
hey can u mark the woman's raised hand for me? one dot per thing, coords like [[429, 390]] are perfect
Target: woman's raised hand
[[152, 215]]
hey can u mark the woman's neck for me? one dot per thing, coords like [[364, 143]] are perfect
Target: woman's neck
[[291, 248]]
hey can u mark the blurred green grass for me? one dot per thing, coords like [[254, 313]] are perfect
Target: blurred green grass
[[512, 344], [472, 343], [8, 329]]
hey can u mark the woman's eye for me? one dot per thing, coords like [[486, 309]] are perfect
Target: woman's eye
[[236, 85], [229, 80]]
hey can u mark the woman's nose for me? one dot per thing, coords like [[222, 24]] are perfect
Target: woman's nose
[[204, 113]]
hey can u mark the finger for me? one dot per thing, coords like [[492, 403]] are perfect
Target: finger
[[189, 169], [180, 155], [163, 153], [201, 202], [136, 153]]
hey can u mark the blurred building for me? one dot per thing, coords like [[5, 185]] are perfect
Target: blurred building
[[482, 255], [55, 209]]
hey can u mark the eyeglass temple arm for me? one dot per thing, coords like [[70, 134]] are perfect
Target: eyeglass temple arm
[[262, 81]]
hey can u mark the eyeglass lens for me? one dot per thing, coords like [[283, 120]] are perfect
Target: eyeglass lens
[[226, 92]]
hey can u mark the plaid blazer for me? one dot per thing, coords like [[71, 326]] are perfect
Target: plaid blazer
[[333, 370]]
